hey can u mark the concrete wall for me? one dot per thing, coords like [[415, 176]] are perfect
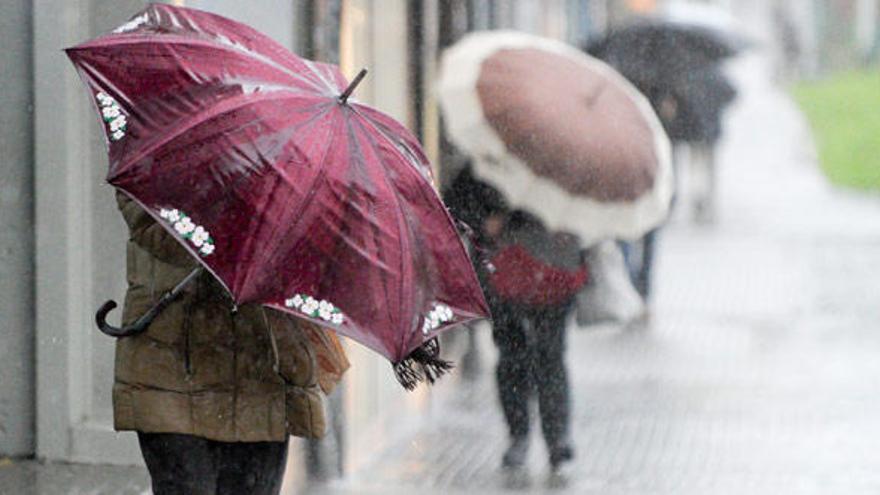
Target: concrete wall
[[272, 17], [16, 231], [80, 239]]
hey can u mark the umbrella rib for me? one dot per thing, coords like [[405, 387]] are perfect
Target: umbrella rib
[[181, 40], [222, 107], [311, 191], [402, 240], [219, 205], [364, 119], [433, 196]]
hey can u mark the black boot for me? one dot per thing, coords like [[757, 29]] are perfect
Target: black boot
[[515, 456], [560, 453]]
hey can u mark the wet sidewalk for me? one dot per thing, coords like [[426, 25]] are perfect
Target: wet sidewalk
[[758, 372]]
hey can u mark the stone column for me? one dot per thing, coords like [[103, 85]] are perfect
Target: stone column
[[80, 242], [16, 231]]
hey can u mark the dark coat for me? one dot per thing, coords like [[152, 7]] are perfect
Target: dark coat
[[473, 201]]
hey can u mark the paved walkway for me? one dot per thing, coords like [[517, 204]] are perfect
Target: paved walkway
[[758, 374], [36, 478]]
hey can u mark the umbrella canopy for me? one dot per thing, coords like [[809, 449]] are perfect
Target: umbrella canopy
[[560, 134], [700, 96], [655, 52], [289, 194]]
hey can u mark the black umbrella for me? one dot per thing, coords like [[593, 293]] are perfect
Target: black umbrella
[[650, 53], [699, 98], [676, 65]]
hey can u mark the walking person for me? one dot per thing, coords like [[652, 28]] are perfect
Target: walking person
[[531, 363], [696, 129], [530, 278], [551, 175], [213, 391]]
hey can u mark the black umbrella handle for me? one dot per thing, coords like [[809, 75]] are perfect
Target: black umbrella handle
[[144, 321]]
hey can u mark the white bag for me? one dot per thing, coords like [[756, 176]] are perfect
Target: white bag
[[609, 297]]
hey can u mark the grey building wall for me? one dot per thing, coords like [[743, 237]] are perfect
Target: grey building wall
[[271, 17], [16, 231]]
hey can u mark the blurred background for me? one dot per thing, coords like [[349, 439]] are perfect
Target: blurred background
[[754, 373]]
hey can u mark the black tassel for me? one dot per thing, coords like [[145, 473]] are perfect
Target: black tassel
[[422, 364]]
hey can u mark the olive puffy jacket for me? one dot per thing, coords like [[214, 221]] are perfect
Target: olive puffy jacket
[[200, 368]]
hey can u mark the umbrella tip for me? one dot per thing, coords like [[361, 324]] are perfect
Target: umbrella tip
[[343, 98]]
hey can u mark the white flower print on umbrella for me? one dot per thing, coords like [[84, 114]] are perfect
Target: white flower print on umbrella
[[113, 116], [439, 315], [118, 123], [294, 302], [110, 112], [170, 215], [321, 309], [184, 226], [197, 235]]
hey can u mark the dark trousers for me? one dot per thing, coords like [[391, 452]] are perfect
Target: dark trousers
[[639, 257], [189, 465], [531, 344]]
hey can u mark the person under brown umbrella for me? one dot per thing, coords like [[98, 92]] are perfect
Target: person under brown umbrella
[[530, 277], [564, 153]]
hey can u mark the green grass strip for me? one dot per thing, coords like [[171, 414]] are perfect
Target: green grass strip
[[844, 113]]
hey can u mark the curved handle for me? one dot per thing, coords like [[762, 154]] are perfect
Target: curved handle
[[144, 321], [126, 331]]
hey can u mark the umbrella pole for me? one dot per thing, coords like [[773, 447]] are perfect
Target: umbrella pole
[[144, 321], [350, 89]]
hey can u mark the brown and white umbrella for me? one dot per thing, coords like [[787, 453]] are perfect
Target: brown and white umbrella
[[560, 134]]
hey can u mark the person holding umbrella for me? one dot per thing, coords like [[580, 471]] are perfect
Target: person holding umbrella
[[213, 391], [265, 210], [564, 153]]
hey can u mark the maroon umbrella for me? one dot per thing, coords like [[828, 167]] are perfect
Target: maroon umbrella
[[291, 195]]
